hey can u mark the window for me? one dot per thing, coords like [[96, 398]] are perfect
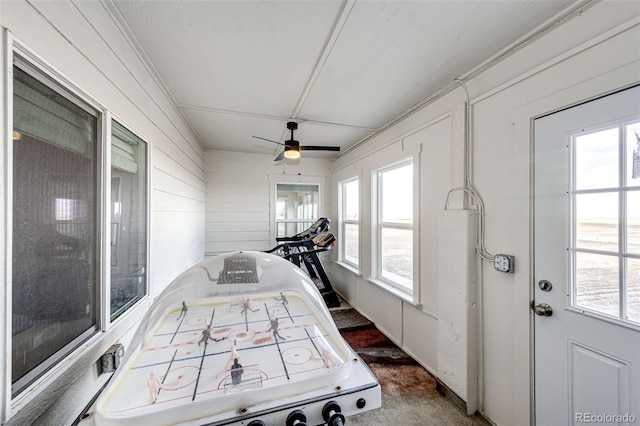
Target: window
[[128, 219], [296, 207], [55, 222], [394, 230], [58, 213], [605, 198], [350, 221]]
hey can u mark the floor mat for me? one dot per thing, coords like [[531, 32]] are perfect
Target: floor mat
[[410, 395], [346, 318], [374, 347]]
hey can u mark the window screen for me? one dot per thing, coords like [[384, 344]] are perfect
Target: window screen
[[54, 248]]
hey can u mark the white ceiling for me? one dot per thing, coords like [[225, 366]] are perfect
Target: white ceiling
[[342, 69]]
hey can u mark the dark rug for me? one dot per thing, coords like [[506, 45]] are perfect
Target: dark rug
[[410, 394], [374, 347], [396, 371]]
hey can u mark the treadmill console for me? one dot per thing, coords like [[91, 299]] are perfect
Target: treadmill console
[[320, 225]]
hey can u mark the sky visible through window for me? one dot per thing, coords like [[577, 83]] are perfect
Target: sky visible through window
[[398, 195], [606, 200]]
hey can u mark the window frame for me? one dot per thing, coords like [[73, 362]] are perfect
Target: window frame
[[378, 225], [344, 222], [89, 341], [108, 319], [274, 181], [54, 82]]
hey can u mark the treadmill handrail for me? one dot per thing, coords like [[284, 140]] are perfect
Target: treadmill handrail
[[303, 253], [320, 225]]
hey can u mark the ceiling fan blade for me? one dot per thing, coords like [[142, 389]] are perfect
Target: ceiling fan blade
[[268, 140], [280, 157], [319, 148]]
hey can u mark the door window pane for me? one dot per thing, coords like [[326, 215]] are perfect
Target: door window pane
[[54, 253], [597, 278], [633, 222], [633, 154], [606, 221], [596, 160], [633, 290], [597, 221], [128, 219]]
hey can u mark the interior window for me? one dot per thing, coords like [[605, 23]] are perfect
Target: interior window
[[296, 208]]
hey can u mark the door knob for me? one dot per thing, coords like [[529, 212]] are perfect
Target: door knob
[[542, 309]]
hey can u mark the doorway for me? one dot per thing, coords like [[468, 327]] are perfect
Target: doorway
[[587, 262]]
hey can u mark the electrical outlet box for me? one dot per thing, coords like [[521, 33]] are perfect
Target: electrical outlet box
[[504, 263], [110, 360]]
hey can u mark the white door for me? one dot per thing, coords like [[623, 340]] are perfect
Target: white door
[[587, 263]]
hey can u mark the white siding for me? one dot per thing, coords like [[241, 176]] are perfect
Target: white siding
[[240, 196], [81, 41], [590, 54]]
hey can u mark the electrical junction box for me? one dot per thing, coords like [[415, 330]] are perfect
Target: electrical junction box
[[504, 263], [110, 360]]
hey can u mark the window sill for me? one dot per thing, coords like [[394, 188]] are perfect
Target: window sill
[[402, 295]]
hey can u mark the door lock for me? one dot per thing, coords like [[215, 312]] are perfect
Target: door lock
[[542, 309], [545, 285]]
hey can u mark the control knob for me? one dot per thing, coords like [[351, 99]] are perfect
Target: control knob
[[331, 413], [296, 418]]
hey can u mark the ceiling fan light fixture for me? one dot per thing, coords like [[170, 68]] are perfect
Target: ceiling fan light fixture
[[291, 153]]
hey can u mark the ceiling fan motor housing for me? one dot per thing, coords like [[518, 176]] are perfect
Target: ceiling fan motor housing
[[291, 144], [292, 147]]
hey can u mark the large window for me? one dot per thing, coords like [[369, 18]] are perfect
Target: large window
[[394, 230], [350, 221], [605, 196], [296, 207], [55, 246], [58, 252]]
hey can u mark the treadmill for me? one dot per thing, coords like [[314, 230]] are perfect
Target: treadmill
[[303, 249]]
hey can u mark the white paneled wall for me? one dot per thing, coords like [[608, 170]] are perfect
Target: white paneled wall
[[240, 196], [414, 327], [586, 56], [83, 44]]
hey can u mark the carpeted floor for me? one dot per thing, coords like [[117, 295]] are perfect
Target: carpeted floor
[[410, 396]]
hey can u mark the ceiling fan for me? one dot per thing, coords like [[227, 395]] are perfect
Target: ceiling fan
[[292, 147]]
